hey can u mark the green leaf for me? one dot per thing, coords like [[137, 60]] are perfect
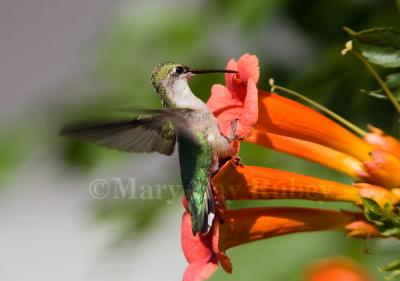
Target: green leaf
[[391, 232], [395, 275], [393, 265], [386, 220], [394, 268], [380, 46], [388, 210], [372, 210], [393, 82]]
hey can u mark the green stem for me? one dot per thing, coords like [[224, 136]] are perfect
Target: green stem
[[383, 85], [329, 112]]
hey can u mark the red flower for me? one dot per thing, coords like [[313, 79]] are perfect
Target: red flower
[[198, 252], [276, 122], [238, 100]]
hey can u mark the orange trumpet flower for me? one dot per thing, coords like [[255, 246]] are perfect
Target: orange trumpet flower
[[276, 122], [280, 123], [240, 226], [335, 269]]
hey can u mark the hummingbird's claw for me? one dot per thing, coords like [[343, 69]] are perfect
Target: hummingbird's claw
[[233, 135], [219, 201], [237, 162]]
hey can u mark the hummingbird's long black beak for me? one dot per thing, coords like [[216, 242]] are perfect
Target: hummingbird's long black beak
[[204, 71]]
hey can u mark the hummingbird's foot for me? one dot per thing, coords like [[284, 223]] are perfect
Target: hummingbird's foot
[[237, 162], [233, 135], [220, 206]]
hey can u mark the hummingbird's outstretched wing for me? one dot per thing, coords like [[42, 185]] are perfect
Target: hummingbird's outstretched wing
[[155, 132]]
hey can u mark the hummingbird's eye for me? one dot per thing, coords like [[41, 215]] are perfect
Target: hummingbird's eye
[[180, 69]]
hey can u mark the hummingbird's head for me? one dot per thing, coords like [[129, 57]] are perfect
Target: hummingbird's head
[[170, 81], [167, 72]]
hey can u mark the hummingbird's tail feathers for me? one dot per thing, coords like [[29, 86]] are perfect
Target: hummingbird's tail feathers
[[210, 213], [203, 219]]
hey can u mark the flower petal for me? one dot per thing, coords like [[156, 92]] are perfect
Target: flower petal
[[337, 269], [245, 225], [222, 257], [199, 270], [227, 109], [362, 229], [286, 117], [198, 252], [383, 169], [396, 192], [229, 77], [379, 194], [194, 247], [221, 100], [239, 99], [249, 115], [383, 141], [248, 67], [249, 183], [308, 150]]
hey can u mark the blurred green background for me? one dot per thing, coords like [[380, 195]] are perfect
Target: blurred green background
[[68, 62]]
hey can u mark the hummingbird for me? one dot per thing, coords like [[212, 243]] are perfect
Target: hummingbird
[[186, 120]]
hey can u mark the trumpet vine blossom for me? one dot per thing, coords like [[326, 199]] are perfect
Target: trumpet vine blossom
[[270, 120], [338, 268]]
